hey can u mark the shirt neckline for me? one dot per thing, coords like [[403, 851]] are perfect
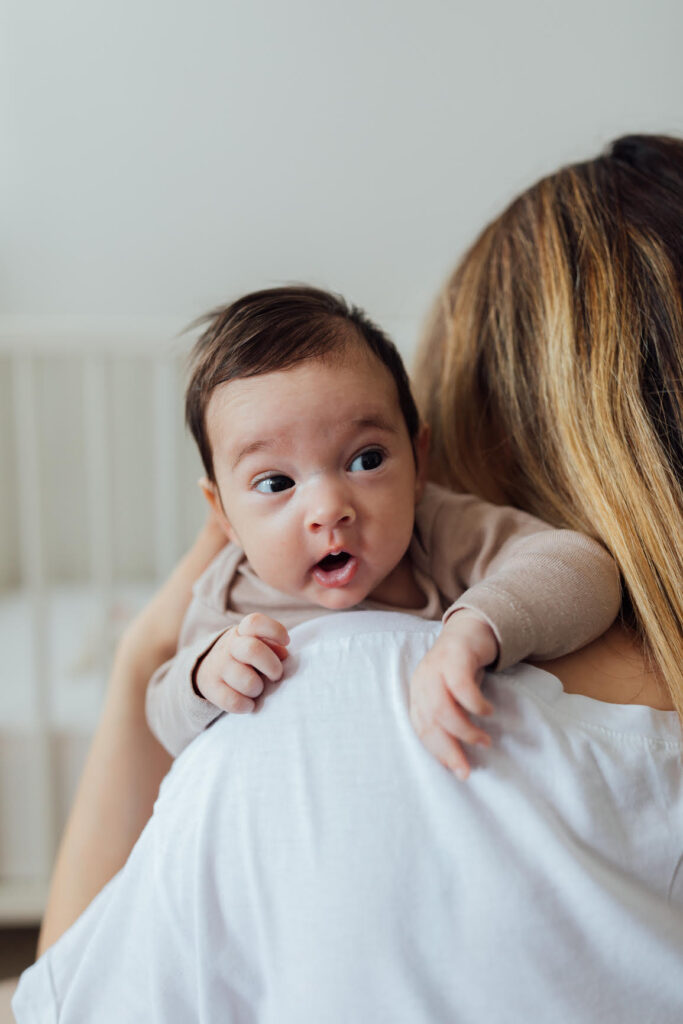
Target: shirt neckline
[[629, 719]]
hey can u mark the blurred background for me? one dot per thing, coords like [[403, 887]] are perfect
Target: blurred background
[[160, 158]]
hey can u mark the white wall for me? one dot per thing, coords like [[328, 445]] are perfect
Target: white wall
[[162, 156]]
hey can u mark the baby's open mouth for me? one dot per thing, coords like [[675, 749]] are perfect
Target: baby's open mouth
[[335, 570], [330, 562]]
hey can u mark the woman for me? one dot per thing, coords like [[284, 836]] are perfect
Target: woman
[[551, 376], [551, 373]]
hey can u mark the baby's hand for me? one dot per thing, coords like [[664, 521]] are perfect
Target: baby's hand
[[445, 689], [231, 675]]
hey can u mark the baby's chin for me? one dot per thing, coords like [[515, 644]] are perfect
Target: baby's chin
[[337, 600]]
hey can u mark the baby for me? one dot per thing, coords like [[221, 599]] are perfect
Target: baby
[[316, 462]]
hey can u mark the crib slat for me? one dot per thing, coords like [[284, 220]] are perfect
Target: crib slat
[[32, 540], [166, 460], [98, 475]]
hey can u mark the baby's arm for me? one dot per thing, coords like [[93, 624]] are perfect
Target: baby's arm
[[177, 709], [522, 589], [545, 592]]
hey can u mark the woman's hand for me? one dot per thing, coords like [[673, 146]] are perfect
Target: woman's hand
[[445, 689]]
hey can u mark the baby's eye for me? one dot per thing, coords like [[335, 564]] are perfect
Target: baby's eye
[[370, 459], [274, 484]]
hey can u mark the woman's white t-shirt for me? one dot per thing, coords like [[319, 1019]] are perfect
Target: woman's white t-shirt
[[311, 862]]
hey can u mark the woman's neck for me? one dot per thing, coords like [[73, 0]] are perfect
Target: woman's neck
[[612, 668]]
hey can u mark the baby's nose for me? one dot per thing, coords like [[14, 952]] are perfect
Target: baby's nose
[[331, 508]]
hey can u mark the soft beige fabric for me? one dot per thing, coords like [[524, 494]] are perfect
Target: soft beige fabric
[[545, 592]]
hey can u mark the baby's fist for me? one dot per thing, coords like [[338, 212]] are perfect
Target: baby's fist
[[231, 674]]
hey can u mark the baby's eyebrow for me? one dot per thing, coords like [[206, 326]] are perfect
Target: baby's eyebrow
[[249, 449], [375, 422]]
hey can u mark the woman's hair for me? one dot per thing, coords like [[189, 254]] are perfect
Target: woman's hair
[[551, 371], [275, 329]]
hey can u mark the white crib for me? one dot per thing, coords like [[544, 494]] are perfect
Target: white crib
[[98, 497]]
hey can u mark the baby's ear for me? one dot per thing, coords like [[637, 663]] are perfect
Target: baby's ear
[[422, 458], [212, 495]]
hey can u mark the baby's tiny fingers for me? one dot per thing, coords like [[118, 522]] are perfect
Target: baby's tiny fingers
[[242, 678], [227, 699], [237, 704], [258, 624], [466, 691], [279, 649], [454, 720], [251, 651], [448, 751]]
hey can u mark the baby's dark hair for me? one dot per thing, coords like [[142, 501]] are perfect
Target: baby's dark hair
[[275, 329]]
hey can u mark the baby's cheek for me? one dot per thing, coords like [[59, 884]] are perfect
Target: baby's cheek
[[276, 564]]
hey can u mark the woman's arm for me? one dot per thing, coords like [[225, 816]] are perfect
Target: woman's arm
[[125, 764]]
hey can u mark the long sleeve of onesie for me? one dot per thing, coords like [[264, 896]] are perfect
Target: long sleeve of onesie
[[176, 713], [545, 592]]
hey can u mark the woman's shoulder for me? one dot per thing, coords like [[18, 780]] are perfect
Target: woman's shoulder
[[613, 669]]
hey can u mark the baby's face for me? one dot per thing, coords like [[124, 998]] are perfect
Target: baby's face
[[316, 475]]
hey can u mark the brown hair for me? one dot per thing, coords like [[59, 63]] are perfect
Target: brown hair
[[273, 330], [551, 371]]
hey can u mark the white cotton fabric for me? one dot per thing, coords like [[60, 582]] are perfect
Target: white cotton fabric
[[312, 862]]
